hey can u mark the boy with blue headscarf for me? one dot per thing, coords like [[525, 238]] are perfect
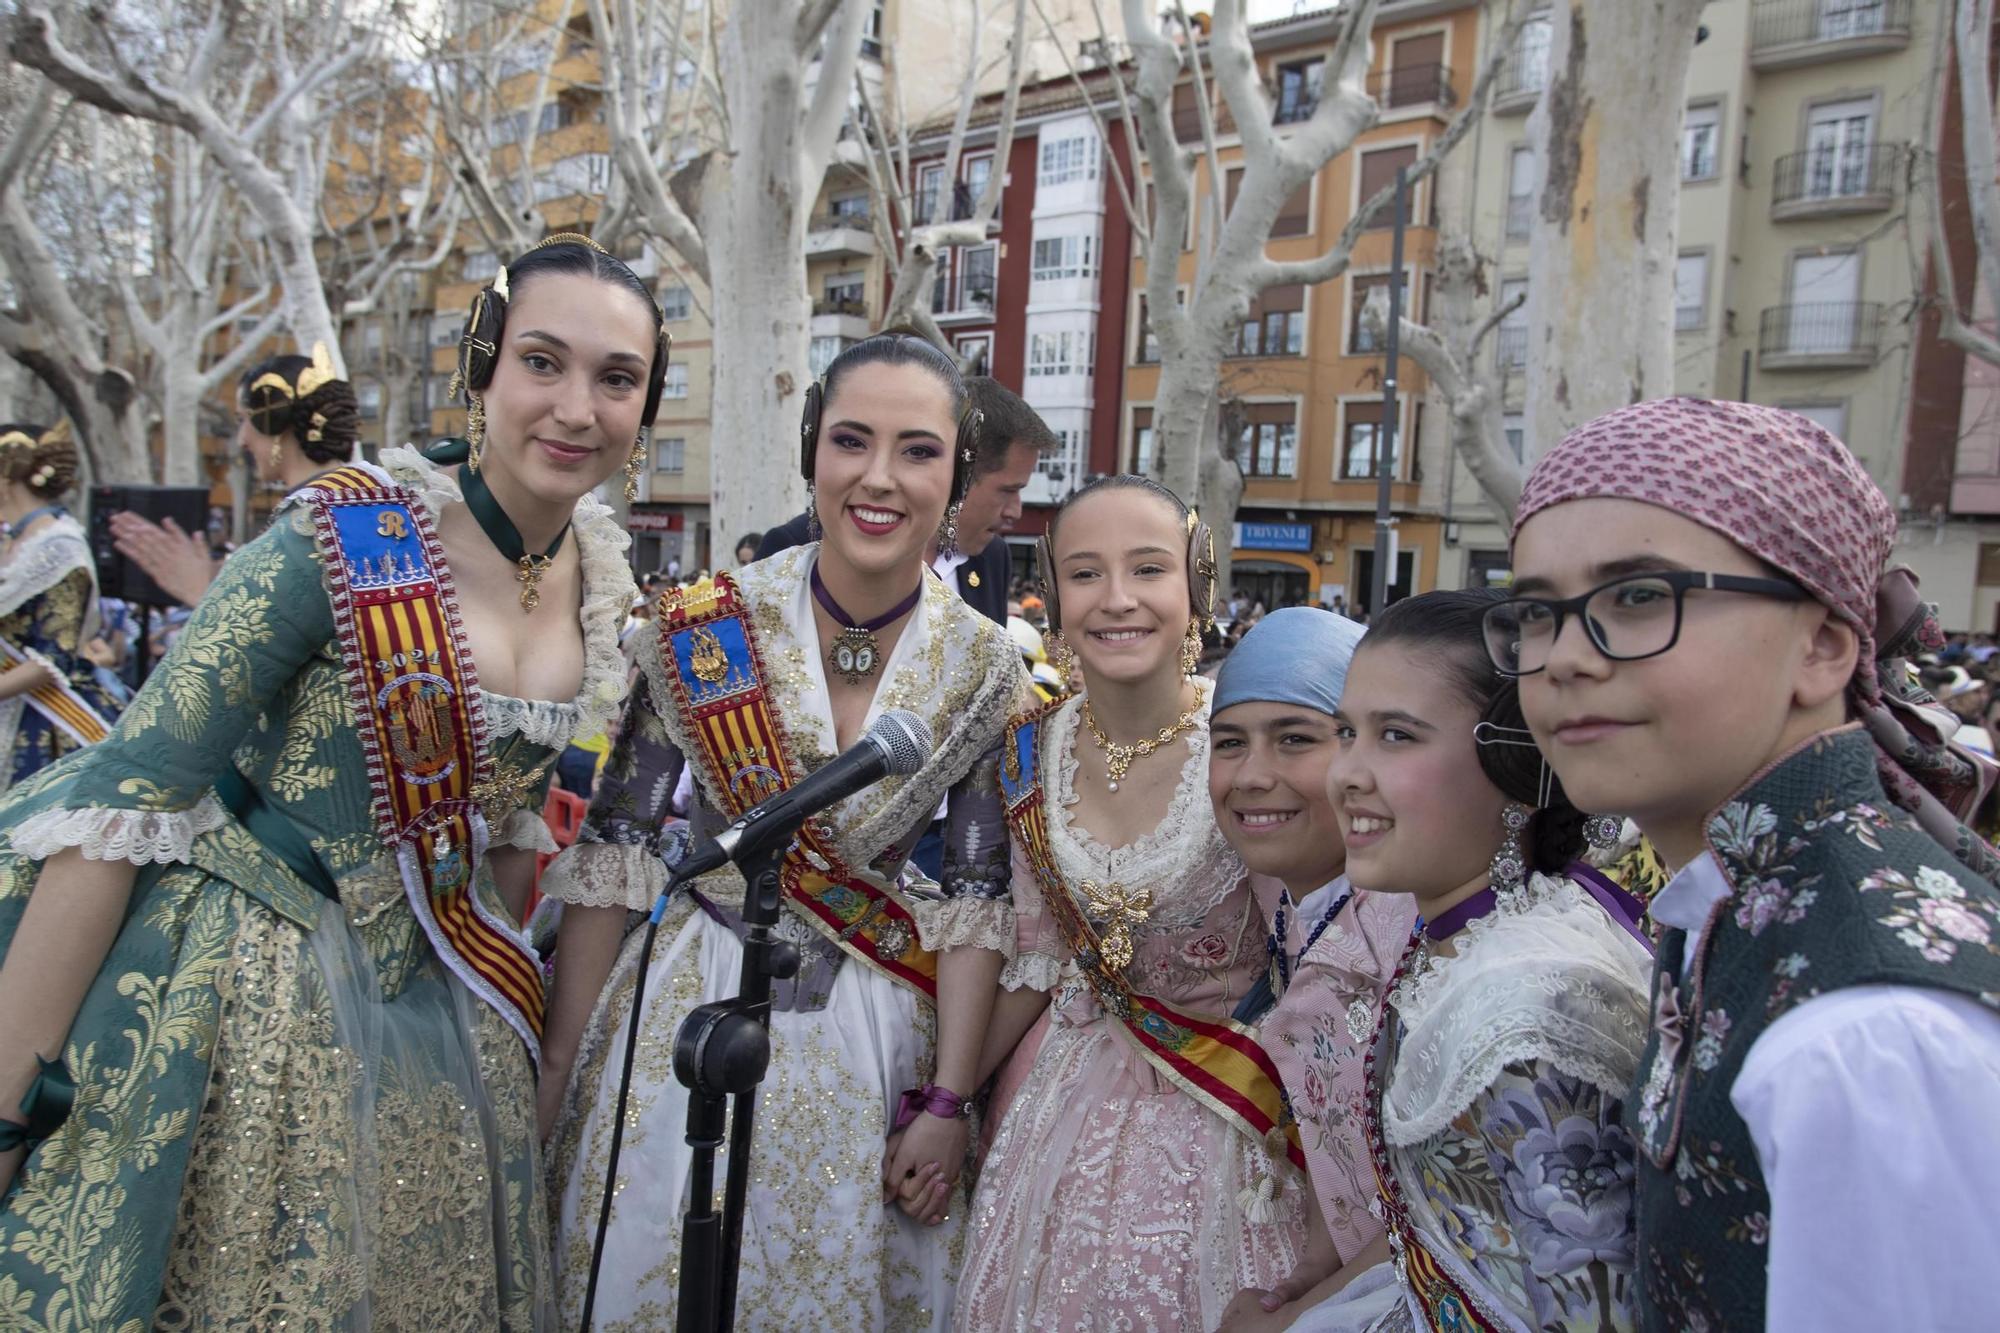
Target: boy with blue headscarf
[[1271, 738]]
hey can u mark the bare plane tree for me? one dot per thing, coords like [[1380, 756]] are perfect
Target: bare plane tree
[[58, 338], [737, 216], [266, 152], [1197, 457]]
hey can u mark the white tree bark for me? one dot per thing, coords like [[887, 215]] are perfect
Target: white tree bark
[[47, 332], [260, 155], [1601, 252], [1192, 455], [1972, 24], [752, 209]]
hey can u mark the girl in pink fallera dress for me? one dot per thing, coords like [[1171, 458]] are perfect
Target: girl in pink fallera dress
[[1114, 1195]]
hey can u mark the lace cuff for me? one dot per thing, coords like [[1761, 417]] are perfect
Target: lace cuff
[[956, 923], [605, 874], [139, 836], [527, 830], [1036, 971]]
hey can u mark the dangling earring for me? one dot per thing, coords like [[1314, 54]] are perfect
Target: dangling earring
[[1603, 832], [1191, 648], [277, 457], [635, 463], [475, 429], [948, 534], [1063, 659], [812, 511], [1509, 867]]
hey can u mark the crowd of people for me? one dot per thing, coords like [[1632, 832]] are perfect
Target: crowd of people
[[1614, 950]]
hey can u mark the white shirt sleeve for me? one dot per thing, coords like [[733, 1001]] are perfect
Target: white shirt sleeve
[[1876, 1116]]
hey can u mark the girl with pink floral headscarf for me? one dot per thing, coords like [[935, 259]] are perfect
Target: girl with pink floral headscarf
[[1708, 637]]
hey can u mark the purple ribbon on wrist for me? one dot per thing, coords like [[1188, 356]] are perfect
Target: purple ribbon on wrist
[[940, 1102]]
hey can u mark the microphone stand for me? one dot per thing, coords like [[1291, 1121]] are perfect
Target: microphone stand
[[723, 1050]]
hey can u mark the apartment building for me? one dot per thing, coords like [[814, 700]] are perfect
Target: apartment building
[[1806, 132], [1305, 375], [1042, 305]]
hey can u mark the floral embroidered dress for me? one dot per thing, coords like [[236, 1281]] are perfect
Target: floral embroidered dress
[[1494, 1104], [48, 606], [1111, 1198], [1319, 1033], [820, 1249], [288, 1112]]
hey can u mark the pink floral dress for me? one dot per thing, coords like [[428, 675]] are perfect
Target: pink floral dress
[[1111, 1198]]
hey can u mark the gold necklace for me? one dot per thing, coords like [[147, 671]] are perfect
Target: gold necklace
[[1118, 758]]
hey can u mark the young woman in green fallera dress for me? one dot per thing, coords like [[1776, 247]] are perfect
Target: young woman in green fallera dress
[[294, 1106]]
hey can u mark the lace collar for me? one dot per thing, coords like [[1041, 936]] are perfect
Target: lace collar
[[1546, 975], [608, 591], [41, 559]]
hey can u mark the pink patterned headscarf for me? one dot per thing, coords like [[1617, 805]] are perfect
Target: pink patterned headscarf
[[1780, 486]]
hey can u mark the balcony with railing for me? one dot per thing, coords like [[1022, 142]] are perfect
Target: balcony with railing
[[1819, 335], [1834, 179], [840, 317], [835, 235], [1524, 73], [1407, 86], [1784, 33]]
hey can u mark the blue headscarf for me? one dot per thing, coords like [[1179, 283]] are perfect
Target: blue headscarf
[[1297, 655]]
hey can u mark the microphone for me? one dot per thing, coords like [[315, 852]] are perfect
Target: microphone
[[898, 743]]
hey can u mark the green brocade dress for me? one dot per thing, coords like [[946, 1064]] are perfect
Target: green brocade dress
[[289, 1113]]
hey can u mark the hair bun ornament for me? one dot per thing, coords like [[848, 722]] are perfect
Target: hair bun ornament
[[42, 475], [318, 420], [58, 434], [317, 375]]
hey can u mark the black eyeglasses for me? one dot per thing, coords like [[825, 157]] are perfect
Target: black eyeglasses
[[1627, 619]]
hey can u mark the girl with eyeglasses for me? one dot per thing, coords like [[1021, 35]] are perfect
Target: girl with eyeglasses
[[1708, 638]]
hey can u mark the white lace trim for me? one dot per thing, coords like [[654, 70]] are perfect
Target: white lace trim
[[139, 836], [1036, 971], [1186, 859], [605, 874], [43, 559], [527, 830], [953, 923], [1546, 975], [608, 591]]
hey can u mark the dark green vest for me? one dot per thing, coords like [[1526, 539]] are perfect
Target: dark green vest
[[1833, 886]]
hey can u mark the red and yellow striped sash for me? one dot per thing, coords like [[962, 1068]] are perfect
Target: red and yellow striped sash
[[414, 691], [710, 653], [1215, 1060], [58, 701]]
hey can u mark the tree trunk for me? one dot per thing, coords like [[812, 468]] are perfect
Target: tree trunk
[[181, 393], [753, 205], [1601, 258], [58, 343]]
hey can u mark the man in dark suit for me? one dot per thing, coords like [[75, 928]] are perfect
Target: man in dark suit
[[1014, 437]]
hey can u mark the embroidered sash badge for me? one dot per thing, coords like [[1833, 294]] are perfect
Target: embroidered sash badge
[[412, 684], [720, 694]]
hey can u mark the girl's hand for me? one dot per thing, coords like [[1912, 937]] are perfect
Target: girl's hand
[[934, 1147]]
